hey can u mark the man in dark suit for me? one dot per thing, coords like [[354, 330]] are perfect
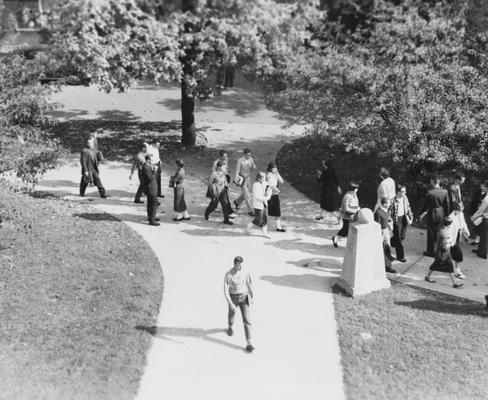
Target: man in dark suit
[[150, 189], [382, 216], [436, 207], [89, 170]]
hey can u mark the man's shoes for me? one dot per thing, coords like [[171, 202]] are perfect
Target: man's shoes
[[186, 218], [475, 251], [105, 196], [236, 206], [319, 219], [429, 279], [480, 256], [428, 254], [227, 222], [138, 202], [177, 219], [280, 230], [457, 285], [232, 215], [154, 223], [206, 217], [157, 219], [390, 270], [230, 331], [402, 260], [159, 203], [334, 241], [249, 348]]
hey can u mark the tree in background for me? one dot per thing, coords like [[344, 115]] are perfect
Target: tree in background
[[402, 86], [114, 43]]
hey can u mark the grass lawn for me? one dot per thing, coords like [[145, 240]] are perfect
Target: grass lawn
[[410, 343], [72, 292]]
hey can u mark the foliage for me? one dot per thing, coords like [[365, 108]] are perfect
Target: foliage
[[8, 23], [402, 88]]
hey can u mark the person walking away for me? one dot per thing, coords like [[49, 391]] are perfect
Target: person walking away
[[179, 204], [150, 189], [382, 216], [89, 170], [436, 207], [261, 193], [401, 215], [480, 219], [443, 259], [217, 192], [139, 161], [386, 188], [238, 293], [477, 198], [245, 166], [349, 209], [273, 179], [329, 189]]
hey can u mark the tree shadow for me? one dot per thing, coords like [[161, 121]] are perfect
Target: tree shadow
[[306, 281], [324, 264], [60, 114], [97, 217], [447, 305], [116, 115], [167, 333], [300, 245]]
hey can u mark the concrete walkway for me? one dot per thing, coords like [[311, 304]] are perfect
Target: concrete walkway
[[294, 330]]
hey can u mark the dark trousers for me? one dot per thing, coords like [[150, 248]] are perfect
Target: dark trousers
[[140, 189], [241, 301], [152, 207], [158, 178], [223, 199], [399, 232], [483, 246], [96, 181], [432, 230], [229, 77], [345, 228]]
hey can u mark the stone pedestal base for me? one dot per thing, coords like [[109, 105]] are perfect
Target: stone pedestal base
[[363, 269]]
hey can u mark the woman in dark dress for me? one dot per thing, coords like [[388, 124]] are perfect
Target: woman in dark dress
[[329, 190], [179, 205]]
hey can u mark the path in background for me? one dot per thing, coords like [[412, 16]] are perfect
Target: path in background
[[297, 353]]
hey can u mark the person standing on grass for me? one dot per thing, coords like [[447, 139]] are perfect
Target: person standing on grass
[[139, 161], [349, 209], [261, 193], [245, 166], [238, 293], [480, 219], [329, 189], [386, 188], [476, 200], [273, 179], [382, 216], [401, 215], [150, 189], [443, 260], [179, 205], [89, 170], [436, 207], [217, 192]]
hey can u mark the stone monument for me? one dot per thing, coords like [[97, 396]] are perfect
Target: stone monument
[[363, 269]]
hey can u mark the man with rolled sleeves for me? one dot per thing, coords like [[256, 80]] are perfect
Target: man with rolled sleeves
[[150, 188], [436, 207]]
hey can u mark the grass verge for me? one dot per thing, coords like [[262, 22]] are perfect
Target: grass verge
[[72, 292], [410, 343]]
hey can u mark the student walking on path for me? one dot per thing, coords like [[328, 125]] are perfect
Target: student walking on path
[[179, 204], [238, 293], [150, 185], [261, 193], [217, 192], [329, 189], [245, 167], [224, 162], [349, 209], [89, 170], [273, 179], [139, 161], [401, 215]]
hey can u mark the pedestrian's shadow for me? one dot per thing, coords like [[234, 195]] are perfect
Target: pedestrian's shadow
[[168, 333], [324, 264], [307, 281]]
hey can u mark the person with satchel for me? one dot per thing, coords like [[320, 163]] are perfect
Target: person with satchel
[[349, 210], [273, 179], [217, 192], [179, 204]]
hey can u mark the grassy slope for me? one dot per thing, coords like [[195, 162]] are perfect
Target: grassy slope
[[72, 291]]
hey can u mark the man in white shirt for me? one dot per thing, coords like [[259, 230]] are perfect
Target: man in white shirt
[[245, 166], [386, 188], [153, 149], [238, 293]]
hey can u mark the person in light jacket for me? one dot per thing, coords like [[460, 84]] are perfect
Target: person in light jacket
[[261, 194], [349, 209], [386, 188]]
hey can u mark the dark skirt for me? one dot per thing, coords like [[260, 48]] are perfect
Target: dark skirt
[[442, 265], [274, 208], [457, 253], [179, 204], [260, 217]]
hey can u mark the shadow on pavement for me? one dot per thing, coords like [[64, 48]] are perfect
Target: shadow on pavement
[[447, 305], [307, 282], [325, 264], [166, 333]]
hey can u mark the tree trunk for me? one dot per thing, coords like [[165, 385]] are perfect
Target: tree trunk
[[188, 130]]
